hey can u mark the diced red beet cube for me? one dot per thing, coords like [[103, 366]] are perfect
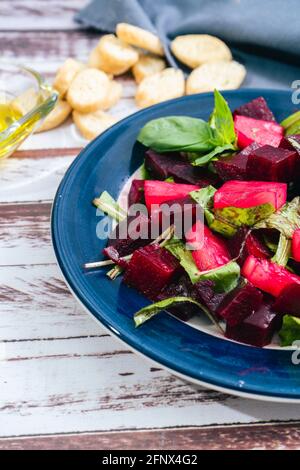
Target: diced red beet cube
[[208, 250], [272, 164], [257, 329], [256, 247], [136, 192], [256, 109], [234, 168], [150, 269], [204, 292], [184, 172], [160, 164], [243, 244], [237, 245], [130, 234], [268, 276], [183, 213], [291, 142], [244, 194], [250, 130], [288, 302], [296, 245], [157, 192], [182, 287], [240, 303]]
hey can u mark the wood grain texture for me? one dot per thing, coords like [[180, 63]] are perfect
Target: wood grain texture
[[39, 15], [60, 372], [267, 437]]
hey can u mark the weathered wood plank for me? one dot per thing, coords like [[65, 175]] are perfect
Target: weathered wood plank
[[46, 50], [250, 437], [39, 15], [34, 179], [35, 304], [89, 384]]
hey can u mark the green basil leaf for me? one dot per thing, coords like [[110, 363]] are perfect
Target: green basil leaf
[[222, 121], [150, 311], [177, 133], [202, 160], [225, 278], [109, 206], [290, 330]]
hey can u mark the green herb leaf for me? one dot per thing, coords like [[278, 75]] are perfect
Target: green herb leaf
[[177, 133], [286, 220], [283, 251], [177, 248], [225, 278], [290, 330], [107, 204], [290, 120], [202, 160], [150, 311], [244, 216], [222, 121], [204, 197]]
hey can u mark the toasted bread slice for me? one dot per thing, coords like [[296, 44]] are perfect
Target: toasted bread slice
[[26, 101], [66, 74], [88, 91], [92, 124], [115, 56], [139, 37], [197, 49], [159, 87], [220, 75], [56, 117], [147, 65]]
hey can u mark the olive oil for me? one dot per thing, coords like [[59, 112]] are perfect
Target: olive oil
[[8, 115]]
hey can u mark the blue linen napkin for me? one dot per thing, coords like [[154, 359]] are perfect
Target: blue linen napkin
[[264, 35]]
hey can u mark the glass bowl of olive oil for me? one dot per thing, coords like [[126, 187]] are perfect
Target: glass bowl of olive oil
[[25, 100]]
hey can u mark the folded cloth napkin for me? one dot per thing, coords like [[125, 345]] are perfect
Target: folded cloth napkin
[[264, 35]]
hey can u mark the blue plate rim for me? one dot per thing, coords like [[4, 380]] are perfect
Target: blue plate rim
[[218, 384]]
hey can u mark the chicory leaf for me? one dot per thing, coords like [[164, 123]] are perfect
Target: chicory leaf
[[290, 330], [286, 220], [177, 248], [225, 277], [150, 311], [291, 120], [109, 206], [177, 133], [204, 197]]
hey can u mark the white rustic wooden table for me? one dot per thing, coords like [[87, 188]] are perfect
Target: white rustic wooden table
[[65, 382]]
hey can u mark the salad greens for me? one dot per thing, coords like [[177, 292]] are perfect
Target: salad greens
[[225, 278], [109, 206], [203, 141], [290, 330], [150, 311]]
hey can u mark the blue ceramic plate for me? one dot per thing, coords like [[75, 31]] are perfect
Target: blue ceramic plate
[[106, 164]]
